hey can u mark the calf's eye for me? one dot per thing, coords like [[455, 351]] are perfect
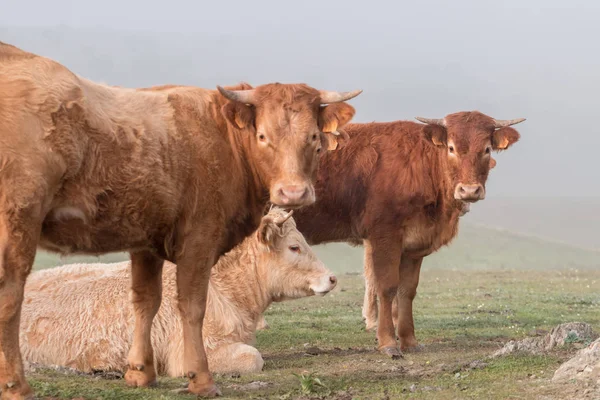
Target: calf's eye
[[451, 149], [487, 150], [295, 248]]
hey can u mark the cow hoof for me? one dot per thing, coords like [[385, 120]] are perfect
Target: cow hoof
[[12, 391], [370, 326], [145, 377], [413, 348], [392, 352], [209, 391]]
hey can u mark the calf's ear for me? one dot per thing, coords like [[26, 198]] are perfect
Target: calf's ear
[[238, 114], [267, 231], [503, 138], [435, 134], [331, 119]]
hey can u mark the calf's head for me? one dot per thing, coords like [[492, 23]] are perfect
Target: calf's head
[[468, 138], [287, 127], [290, 269]]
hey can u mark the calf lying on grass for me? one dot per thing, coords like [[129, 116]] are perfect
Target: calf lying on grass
[[80, 316]]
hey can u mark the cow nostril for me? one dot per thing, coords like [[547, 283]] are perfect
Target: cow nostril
[[461, 189], [332, 279], [478, 190]]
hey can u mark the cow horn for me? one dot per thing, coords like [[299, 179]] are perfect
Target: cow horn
[[433, 121], [243, 96], [328, 97], [501, 123], [280, 220]]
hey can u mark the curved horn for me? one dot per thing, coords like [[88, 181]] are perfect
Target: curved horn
[[280, 220], [501, 123], [433, 121], [243, 96], [328, 97]]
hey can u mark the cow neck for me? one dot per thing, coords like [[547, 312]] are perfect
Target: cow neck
[[251, 187], [237, 278], [450, 207]]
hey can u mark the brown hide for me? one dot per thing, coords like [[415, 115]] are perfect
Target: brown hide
[[393, 187], [172, 172]]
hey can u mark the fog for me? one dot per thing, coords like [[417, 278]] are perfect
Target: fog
[[536, 59]]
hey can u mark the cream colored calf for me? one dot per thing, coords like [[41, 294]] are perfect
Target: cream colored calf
[[80, 315]]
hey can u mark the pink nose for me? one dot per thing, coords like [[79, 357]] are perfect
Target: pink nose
[[469, 192], [293, 194], [333, 280]]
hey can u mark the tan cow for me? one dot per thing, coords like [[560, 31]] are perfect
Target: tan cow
[[178, 173], [79, 315]]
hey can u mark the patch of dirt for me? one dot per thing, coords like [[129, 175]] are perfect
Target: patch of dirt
[[569, 333], [585, 366], [256, 385]]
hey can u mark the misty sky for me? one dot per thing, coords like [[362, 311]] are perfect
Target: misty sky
[[536, 59]]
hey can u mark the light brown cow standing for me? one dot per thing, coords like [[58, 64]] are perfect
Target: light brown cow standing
[[79, 315], [180, 174]]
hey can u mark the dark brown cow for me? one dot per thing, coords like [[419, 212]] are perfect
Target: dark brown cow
[[399, 188], [173, 173]]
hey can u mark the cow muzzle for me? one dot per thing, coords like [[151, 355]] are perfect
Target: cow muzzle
[[293, 196], [470, 193], [324, 285]]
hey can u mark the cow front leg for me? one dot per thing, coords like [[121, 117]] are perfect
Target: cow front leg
[[409, 272], [193, 273], [146, 295], [369, 309], [385, 256], [19, 234], [235, 358]]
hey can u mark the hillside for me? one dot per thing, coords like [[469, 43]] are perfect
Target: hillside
[[475, 248]]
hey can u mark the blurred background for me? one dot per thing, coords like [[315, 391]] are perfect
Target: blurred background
[[535, 59]]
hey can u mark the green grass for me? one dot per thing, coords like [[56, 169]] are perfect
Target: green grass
[[465, 310]]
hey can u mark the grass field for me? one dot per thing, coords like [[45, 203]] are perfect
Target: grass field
[[489, 287]]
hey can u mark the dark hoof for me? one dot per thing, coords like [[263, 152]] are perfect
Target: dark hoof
[[413, 349], [392, 352]]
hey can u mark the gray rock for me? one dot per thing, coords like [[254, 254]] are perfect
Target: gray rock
[[585, 366]]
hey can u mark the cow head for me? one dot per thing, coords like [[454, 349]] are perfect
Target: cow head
[[286, 128], [290, 268], [468, 138]]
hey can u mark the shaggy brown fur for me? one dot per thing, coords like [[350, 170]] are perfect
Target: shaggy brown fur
[[79, 316], [174, 173], [392, 187]]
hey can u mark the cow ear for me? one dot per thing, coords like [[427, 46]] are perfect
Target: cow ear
[[503, 138], [267, 231], [331, 119], [333, 141], [435, 134], [238, 114]]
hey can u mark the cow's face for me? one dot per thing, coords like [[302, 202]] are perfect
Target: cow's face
[[290, 268], [468, 138], [287, 127]]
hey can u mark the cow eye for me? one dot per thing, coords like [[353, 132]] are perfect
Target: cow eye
[[262, 137], [488, 150], [319, 150], [295, 248], [314, 137], [451, 149]]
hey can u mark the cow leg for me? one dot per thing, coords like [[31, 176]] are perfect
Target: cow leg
[[193, 273], [235, 358], [146, 294], [262, 323], [409, 280], [19, 235], [385, 257], [369, 310]]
